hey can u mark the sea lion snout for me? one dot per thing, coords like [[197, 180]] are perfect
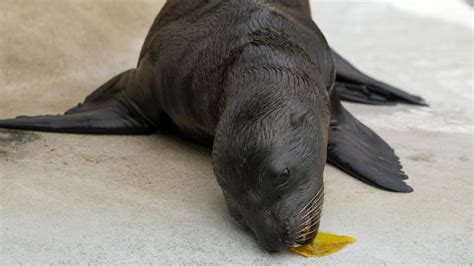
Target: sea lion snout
[[290, 223], [278, 219]]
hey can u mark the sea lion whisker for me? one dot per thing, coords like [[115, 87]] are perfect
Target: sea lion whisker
[[311, 218], [311, 201], [313, 222], [317, 205], [310, 229], [307, 227], [305, 236], [310, 222], [315, 208]]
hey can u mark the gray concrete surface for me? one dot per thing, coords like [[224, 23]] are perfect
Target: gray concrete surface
[[102, 199]]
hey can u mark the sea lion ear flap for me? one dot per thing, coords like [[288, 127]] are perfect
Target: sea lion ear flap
[[359, 151], [298, 117]]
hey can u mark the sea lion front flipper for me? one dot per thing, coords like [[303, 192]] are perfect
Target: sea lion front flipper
[[355, 86], [359, 151], [106, 111]]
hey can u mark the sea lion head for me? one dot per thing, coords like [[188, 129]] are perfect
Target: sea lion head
[[269, 156]]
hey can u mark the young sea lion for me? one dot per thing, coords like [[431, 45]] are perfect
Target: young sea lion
[[258, 81]]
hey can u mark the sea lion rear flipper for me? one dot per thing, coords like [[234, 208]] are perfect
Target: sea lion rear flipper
[[359, 151], [106, 111], [355, 86]]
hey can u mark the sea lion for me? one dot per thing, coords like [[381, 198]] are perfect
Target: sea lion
[[257, 81]]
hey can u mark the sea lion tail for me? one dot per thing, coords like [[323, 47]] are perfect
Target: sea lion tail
[[106, 111], [354, 86]]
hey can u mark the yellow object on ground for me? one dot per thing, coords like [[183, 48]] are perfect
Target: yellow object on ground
[[324, 244]]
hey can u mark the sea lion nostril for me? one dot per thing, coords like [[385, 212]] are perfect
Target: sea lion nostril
[[275, 246]]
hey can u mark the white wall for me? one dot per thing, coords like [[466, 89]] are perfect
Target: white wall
[[456, 11]]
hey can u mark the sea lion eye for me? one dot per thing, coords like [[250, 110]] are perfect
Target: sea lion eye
[[283, 179], [285, 173]]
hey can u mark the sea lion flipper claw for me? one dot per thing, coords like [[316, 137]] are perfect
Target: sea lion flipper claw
[[355, 86], [359, 151]]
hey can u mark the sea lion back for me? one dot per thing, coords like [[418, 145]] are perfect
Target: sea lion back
[[193, 46]]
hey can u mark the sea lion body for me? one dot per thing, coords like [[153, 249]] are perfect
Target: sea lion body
[[190, 69], [257, 80]]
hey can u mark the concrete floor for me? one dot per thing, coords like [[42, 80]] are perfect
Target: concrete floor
[[102, 199]]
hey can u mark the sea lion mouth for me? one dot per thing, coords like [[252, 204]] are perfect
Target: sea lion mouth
[[310, 215]]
